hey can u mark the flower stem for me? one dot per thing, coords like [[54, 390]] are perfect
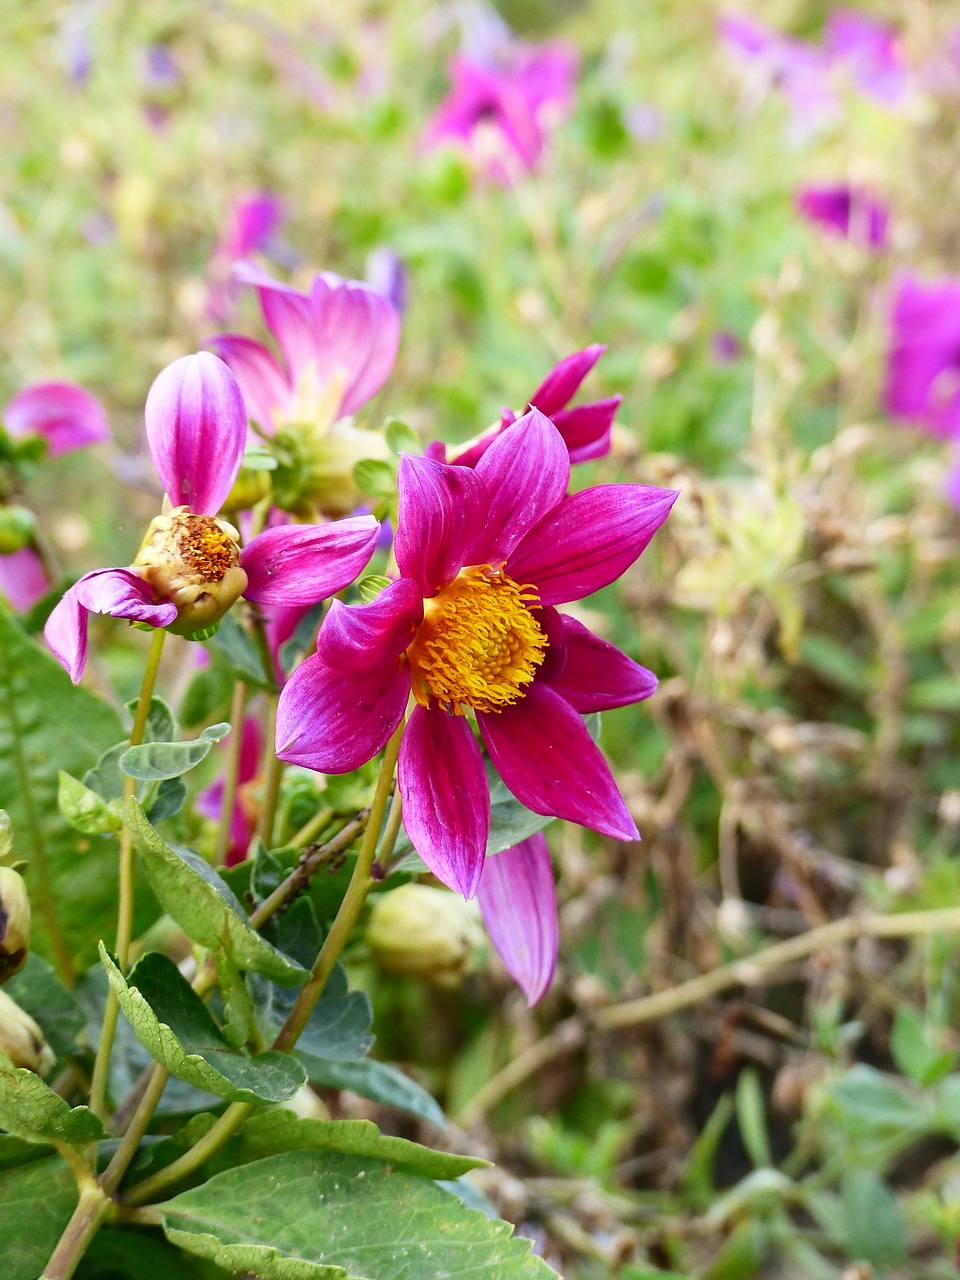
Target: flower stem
[[83, 1226], [390, 833], [231, 772], [300, 876], [138, 1127], [272, 776], [98, 1087], [311, 828], [208, 1145]]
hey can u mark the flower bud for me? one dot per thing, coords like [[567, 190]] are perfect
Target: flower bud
[[315, 475], [22, 1040], [16, 529], [14, 923], [194, 561], [425, 933], [250, 487]]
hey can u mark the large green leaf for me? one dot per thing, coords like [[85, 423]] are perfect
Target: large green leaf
[[158, 761], [29, 1109], [46, 725], [320, 1215], [203, 905], [375, 1080], [116, 1254], [175, 1027], [36, 1203]]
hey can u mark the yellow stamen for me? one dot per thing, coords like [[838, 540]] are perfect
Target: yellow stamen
[[479, 643], [194, 561]]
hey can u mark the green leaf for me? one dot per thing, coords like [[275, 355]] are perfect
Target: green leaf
[[874, 1229], [36, 1203], [914, 1048], [371, 586], [312, 1215], [29, 1109], [233, 648], [375, 1080], [751, 1118], [84, 809], [106, 777], [375, 477], [866, 1099], [39, 992], [207, 694], [116, 1254], [202, 904], [157, 761], [169, 800], [161, 724], [175, 1027], [400, 437], [47, 724]]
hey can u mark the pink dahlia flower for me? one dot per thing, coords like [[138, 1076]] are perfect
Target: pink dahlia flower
[[485, 555], [190, 569], [518, 903], [501, 111], [65, 415], [846, 211], [923, 361]]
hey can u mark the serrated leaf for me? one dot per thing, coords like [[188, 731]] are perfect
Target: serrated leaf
[[371, 586], [157, 761], [400, 437], [29, 1109], [310, 1215], [39, 992], [36, 1203], [47, 724], [113, 1255], [203, 906], [375, 1080], [175, 1027], [84, 809], [375, 477]]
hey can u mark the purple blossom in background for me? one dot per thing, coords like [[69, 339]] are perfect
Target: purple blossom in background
[[501, 111], [243, 820], [386, 273], [725, 347], [869, 52], [159, 72], [842, 210], [518, 902], [65, 415], [923, 360], [23, 579], [251, 222]]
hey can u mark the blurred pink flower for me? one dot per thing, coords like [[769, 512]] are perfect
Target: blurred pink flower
[[501, 111], [243, 820], [870, 53], [251, 222], [23, 579], [65, 415], [923, 360], [842, 210], [518, 903]]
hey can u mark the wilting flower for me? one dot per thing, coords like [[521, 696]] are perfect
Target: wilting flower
[[14, 923], [846, 211], [869, 51], [518, 903], [585, 428], [61, 413], [243, 818], [22, 1040], [338, 345], [190, 569], [485, 555], [501, 111]]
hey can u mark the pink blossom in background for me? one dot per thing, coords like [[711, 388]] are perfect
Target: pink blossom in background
[[23, 579], [923, 359], [842, 210], [65, 415], [251, 223], [501, 111], [518, 903], [869, 51], [243, 820]]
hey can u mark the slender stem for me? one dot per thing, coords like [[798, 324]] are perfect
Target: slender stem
[[311, 828], [300, 876], [98, 1087], [357, 890], [209, 1144], [272, 775], [81, 1171], [83, 1226], [231, 772], [390, 833], [127, 1149]]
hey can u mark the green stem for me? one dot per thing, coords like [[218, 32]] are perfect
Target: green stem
[[98, 1087], [139, 1124], [231, 772], [390, 833], [209, 1144], [272, 776], [311, 828], [299, 877], [83, 1226]]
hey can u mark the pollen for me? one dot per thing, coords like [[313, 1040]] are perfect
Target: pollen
[[205, 546], [193, 560], [479, 644]]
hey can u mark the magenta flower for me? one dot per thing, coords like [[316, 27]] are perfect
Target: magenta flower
[[485, 555], [23, 579], [923, 361], [243, 819], [800, 71], [502, 112], [869, 51], [65, 415], [846, 211], [190, 569], [251, 223], [585, 428], [518, 903]]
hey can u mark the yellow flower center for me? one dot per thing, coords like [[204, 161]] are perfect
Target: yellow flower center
[[194, 561], [478, 644]]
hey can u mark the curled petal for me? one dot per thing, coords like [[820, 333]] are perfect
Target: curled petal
[[446, 797], [541, 749], [355, 637], [590, 539], [595, 675], [265, 386], [65, 415], [526, 471], [302, 564], [23, 579], [196, 429], [563, 382], [518, 902], [442, 513], [333, 720], [586, 429], [117, 592]]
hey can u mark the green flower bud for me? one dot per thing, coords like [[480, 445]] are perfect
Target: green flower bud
[[16, 529], [425, 933], [250, 487], [315, 472], [22, 1040], [14, 923], [194, 561]]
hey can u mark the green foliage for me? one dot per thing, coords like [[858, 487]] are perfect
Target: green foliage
[[41, 994], [31, 1110], [159, 761], [35, 1205]]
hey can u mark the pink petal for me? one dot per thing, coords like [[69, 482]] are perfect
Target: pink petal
[[265, 386], [250, 223], [518, 902], [287, 313], [442, 511], [586, 429], [595, 675], [23, 579], [333, 720], [117, 592], [196, 429], [446, 797], [303, 564], [355, 637], [65, 415], [526, 471], [562, 383], [541, 749], [356, 336], [590, 539]]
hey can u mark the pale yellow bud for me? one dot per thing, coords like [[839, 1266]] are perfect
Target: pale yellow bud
[[22, 1040], [193, 561], [14, 923], [425, 933]]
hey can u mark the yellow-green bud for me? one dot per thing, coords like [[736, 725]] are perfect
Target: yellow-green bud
[[194, 561], [22, 1040], [425, 933], [16, 528], [319, 476], [14, 923], [250, 487]]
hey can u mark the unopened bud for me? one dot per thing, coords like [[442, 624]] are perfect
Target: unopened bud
[[425, 933], [16, 529], [14, 923], [316, 476], [194, 561], [22, 1040], [250, 487]]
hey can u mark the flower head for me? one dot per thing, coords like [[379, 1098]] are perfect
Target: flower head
[[846, 211], [66, 416], [471, 626]]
